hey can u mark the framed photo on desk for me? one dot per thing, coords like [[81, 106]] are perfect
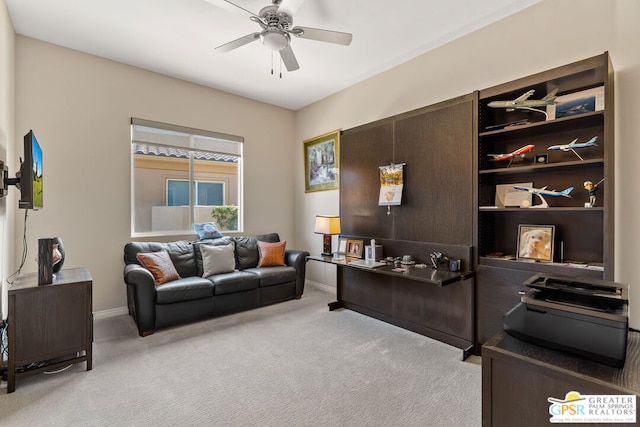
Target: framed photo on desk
[[342, 245], [354, 248]]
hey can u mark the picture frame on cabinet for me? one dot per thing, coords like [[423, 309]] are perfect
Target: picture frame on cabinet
[[535, 242], [584, 101]]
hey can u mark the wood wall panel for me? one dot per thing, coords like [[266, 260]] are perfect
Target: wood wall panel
[[436, 143], [437, 200], [361, 154]]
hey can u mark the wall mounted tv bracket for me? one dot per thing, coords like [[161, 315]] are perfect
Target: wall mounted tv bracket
[[5, 181]]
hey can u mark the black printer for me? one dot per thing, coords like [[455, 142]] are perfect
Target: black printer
[[587, 317]]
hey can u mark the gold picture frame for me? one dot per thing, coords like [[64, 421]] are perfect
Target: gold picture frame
[[322, 162], [354, 248]]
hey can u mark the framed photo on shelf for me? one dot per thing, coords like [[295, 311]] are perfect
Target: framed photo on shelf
[[507, 196], [535, 242], [581, 102], [322, 163], [354, 248]]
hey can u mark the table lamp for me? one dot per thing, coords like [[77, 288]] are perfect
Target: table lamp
[[327, 225]]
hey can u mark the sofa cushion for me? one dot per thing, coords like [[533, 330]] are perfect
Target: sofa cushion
[[247, 255], [238, 281], [160, 266], [271, 254], [186, 289], [270, 276], [207, 230], [180, 252], [197, 248], [218, 259]]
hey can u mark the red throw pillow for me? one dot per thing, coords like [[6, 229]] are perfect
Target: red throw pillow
[[271, 254], [160, 265]]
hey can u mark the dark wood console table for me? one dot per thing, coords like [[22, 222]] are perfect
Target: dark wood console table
[[50, 326], [432, 302], [518, 378]]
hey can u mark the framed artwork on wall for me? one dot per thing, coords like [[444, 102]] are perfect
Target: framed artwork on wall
[[535, 242], [322, 163]]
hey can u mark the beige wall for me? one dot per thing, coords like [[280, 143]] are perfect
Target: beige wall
[[549, 34], [7, 151], [80, 107], [84, 105]]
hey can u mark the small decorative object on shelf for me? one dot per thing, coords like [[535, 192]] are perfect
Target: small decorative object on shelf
[[524, 103], [593, 190], [520, 152], [575, 144], [543, 191]]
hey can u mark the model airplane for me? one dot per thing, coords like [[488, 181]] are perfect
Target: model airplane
[[523, 101], [543, 191], [510, 156], [575, 144]]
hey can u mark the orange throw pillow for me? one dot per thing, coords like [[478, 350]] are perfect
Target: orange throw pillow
[[271, 254], [160, 265]]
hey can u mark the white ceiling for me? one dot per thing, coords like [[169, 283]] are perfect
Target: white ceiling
[[178, 37]]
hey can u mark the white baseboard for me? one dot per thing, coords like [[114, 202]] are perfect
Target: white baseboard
[[112, 312], [321, 286]]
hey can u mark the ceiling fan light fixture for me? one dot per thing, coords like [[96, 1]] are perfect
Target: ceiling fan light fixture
[[274, 39]]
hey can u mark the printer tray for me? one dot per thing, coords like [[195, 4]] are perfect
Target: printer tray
[[597, 339]]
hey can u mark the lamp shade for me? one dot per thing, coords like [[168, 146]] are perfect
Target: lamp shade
[[327, 224]]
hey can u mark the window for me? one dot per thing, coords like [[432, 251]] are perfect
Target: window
[[181, 176], [207, 193]]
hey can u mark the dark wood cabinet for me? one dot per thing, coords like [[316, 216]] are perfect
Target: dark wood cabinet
[[50, 326], [518, 379], [583, 245]]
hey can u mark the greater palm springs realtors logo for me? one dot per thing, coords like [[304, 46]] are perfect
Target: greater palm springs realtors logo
[[576, 408]]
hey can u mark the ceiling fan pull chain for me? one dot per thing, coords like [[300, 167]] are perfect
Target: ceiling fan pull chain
[[281, 67], [272, 63]]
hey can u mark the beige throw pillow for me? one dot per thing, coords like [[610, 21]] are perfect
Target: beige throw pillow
[[217, 259]]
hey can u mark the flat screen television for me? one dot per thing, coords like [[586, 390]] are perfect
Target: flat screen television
[[31, 174]]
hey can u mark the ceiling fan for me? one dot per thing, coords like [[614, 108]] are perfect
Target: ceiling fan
[[276, 30]]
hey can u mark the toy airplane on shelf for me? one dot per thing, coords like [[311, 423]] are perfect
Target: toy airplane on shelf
[[523, 102], [543, 191], [510, 156], [575, 144]]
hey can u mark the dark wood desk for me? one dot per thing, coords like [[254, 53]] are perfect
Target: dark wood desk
[[435, 303], [518, 378], [440, 277], [50, 326]]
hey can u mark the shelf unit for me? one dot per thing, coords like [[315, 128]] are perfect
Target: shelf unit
[[583, 236]]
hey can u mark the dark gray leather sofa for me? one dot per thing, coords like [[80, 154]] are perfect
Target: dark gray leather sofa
[[193, 297]]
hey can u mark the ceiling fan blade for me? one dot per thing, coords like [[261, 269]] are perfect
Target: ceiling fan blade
[[230, 6], [238, 42], [289, 59], [322, 35], [290, 7]]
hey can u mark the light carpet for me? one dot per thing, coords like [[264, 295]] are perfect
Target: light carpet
[[289, 364]]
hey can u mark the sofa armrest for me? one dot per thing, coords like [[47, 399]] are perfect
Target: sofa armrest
[[142, 288], [298, 260]]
